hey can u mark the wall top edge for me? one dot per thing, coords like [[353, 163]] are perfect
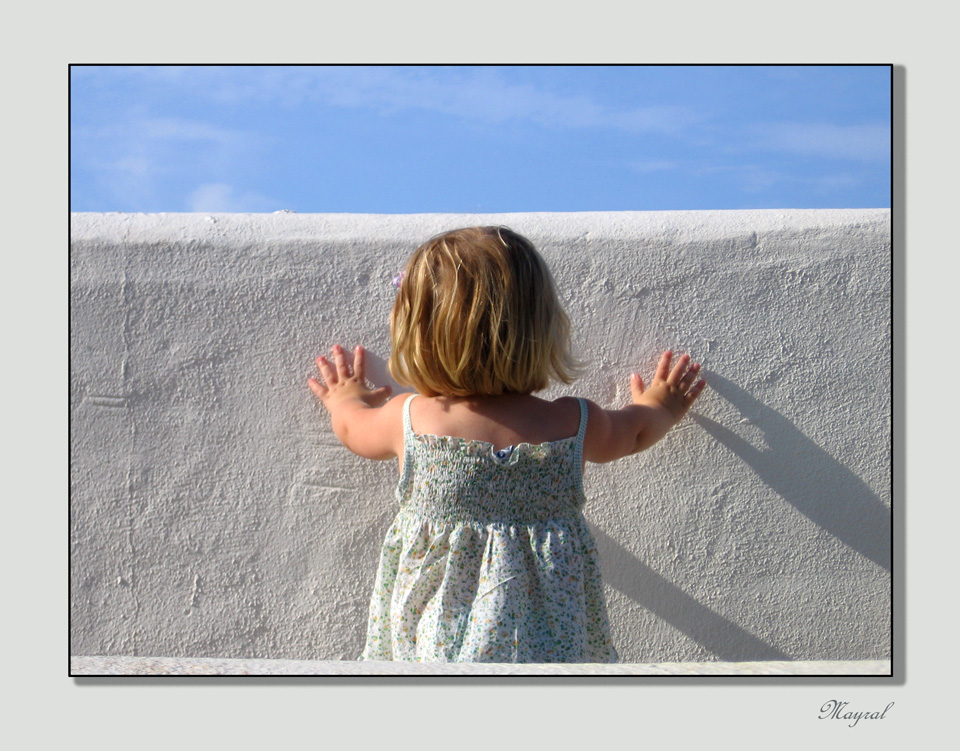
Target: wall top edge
[[410, 227], [360, 215]]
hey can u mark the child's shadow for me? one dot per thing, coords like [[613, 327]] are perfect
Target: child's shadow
[[806, 476], [378, 373]]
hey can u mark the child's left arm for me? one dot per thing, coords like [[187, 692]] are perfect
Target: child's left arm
[[360, 419]]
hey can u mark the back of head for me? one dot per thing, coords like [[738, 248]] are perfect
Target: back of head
[[477, 314]]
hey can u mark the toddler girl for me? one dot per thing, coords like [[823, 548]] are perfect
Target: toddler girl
[[489, 558]]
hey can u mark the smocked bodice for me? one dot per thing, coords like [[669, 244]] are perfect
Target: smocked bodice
[[457, 479]]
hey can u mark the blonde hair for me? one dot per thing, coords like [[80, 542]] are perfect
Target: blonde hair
[[477, 314]]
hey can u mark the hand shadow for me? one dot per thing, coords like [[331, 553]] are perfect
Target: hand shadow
[[378, 373], [806, 476]]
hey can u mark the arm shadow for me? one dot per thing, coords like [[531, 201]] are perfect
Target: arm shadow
[[637, 581], [806, 476], [799, 471]]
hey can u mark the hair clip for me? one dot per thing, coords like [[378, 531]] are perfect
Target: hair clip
[[398, 279]]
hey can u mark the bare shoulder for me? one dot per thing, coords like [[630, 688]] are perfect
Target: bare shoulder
[[391, 413], [396, 402], [608, 435], [569, 406], [567, 411]]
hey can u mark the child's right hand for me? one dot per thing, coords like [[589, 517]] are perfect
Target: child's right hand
[[344, 383], [674, 390], [359, 417]]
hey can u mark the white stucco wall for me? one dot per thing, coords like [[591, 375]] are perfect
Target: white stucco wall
[[214, 514]]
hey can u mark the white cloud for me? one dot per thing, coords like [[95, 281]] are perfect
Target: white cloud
[[134, 166], [484, 96], [477, 94], [756, 178], [220, 197], [178, 129], [656, 165], [867, 142], [133, 156], [836, 183]]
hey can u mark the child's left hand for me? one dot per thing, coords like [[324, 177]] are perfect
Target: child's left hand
[[344, 382]]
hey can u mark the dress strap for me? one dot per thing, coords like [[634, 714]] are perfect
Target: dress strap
[[583, 420], [407, 425], [408, 441], [582, 431]]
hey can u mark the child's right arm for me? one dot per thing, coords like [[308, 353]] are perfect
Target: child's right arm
[[613, 434], [360, 418]]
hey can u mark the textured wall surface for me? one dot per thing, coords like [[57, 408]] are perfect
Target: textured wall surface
[[214, 513]]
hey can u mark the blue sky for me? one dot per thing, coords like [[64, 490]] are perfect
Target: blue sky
[[477, 138]]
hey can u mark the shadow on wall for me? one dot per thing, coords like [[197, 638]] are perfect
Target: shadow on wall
[[806, 476], [634, 579]]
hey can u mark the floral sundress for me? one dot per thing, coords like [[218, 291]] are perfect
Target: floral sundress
[[489, 558]]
